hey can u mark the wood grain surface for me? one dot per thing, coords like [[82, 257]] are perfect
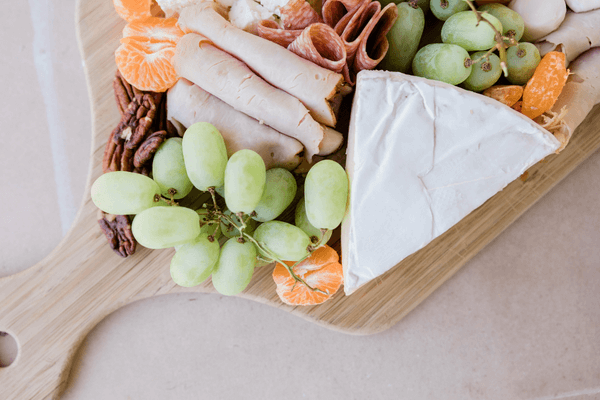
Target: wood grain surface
[[50, 307]]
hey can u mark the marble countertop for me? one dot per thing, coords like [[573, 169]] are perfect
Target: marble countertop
[[521, 320]]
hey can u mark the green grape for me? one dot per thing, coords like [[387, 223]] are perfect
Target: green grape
[[423, 4], [205, 155], [235, 267], [168, 169], [443, 62], [280, 190], [512, 23], [221, 191], [286, 241], [462, 29], [444, 9], [245, 177], [522, 60], [484, 73], [194, 261], [124, 193], [162, 227], [404, 38], [326, 194], [231, 231], [302, 222]]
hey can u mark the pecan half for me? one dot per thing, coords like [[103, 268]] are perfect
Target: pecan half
[[143, 127], [147, 149], [117, 229]]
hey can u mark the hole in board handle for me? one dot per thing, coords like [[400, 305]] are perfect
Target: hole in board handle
[[8, 349]]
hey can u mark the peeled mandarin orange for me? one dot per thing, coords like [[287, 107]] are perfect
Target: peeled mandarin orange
[[156, 29], [321, 270], [146, 64], [546, 84], [130, 10]]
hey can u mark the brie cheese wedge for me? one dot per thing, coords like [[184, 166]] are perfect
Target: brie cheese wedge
[[421, 156]]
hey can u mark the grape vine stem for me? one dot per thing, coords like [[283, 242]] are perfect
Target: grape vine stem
[[500, 40], [244, 236], [290, 269]]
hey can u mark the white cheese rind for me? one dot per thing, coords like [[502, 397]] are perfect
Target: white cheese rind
[[421, 156]]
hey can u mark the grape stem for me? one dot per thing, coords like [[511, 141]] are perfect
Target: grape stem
[[501, 44], [212, 192], [244, 236], [296, 278]]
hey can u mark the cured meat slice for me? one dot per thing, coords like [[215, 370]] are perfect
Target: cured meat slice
[[269, 30], [337, 15], [298, 14], [221, 74], [354, 29], [315, 86], [578, 33], [188, 103], [320, 44], [374, 44]]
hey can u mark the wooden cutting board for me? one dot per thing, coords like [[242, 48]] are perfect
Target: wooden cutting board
[[50, 307]]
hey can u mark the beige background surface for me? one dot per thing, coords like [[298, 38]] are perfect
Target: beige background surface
[[520, 321]]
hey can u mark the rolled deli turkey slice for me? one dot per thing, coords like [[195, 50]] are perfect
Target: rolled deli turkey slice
[[188, 104], [320, 44], [224, 76], [316, 87], [578, 32]]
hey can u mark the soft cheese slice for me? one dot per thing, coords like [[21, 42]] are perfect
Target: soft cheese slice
[[421, 156]]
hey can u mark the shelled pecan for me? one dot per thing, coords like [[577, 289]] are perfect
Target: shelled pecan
[[117, 229], [130, 147]]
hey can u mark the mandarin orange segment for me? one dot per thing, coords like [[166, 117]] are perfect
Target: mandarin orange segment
[[505, 94], [130, 10], [146, 64], [546, 84], [321, 270], [156, 29]]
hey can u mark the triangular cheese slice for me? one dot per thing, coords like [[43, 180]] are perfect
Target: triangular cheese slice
[[421, 156]]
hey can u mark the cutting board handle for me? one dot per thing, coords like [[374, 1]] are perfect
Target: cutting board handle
[[50, 307]]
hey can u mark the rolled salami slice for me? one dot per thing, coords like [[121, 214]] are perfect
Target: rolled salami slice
[[578, 33], [268, 29], [221, 74], [188, 104], [580, 94], [374, 44], [298, 14], [320, 44], [354, 31], [334, 10], [315, 86]]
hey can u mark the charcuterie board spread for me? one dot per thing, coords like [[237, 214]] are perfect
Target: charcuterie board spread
[[237, 179]]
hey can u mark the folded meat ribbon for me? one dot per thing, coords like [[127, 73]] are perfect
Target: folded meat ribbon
[[316, 87], [188, 103], [361, 26], [226, 77]]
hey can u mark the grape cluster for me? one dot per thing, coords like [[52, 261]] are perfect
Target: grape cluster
[[464, 52], [254, 197]]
